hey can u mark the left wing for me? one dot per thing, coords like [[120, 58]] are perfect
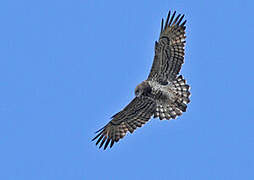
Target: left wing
[[134, 115], [169, 51]]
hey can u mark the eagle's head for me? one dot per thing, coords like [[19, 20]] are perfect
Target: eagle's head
[[142, 89]]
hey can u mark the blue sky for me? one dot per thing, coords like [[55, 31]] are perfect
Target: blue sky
[[67, 66]]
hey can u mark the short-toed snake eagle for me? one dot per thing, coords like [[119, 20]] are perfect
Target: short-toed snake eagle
[[164, 94]]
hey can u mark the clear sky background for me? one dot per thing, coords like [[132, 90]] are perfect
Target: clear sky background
[[67, 66]]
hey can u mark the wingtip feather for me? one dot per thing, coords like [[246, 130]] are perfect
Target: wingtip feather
[[176, 19], [172, 17], [179, 21], [166, 24], [162, 25], [102, 142], [96, 136], [106, 144]]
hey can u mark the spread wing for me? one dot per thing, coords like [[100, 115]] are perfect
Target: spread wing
[[169, 51], [134, 115]]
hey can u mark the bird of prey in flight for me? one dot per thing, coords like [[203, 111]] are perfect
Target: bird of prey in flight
[[164, 94]]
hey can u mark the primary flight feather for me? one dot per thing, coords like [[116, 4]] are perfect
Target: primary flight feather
[[164, 94]]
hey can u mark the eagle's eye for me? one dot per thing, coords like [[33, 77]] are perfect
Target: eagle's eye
[[137, 92]]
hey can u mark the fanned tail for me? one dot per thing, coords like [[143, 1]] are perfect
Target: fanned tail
[[171, 111]]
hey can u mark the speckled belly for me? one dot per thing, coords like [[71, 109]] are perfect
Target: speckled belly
[[163, 92]]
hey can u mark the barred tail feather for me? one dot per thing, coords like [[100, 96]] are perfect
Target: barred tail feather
[[183, 91], [171, 111]]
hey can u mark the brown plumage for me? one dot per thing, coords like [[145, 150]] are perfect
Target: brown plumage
[[164, 94]]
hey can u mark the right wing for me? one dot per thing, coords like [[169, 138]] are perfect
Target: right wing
[[169, 51], [134, 115]]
